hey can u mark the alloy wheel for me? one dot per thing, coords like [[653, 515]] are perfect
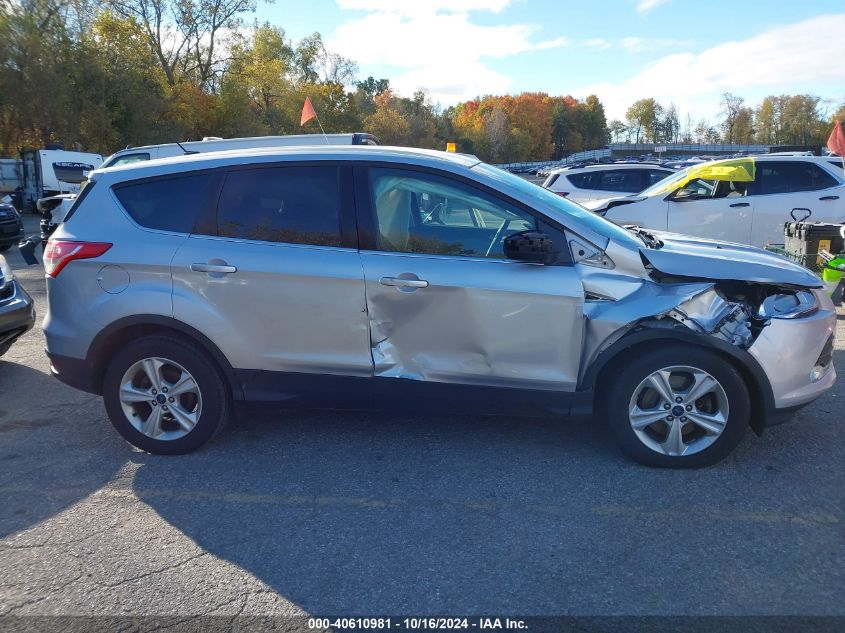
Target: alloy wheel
[[160, 398], [678, 410]]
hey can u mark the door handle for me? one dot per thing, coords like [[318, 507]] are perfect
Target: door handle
[[829, 198], [213, 268], [741, 204], [398, 282]]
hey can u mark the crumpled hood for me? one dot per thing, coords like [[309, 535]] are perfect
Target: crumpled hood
[[687, 256]]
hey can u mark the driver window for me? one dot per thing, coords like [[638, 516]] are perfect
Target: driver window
[[423, 213]]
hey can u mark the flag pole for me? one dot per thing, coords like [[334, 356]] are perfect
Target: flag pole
[[321, 127]]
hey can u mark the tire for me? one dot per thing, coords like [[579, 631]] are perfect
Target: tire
[[187, 419], [713, 424]]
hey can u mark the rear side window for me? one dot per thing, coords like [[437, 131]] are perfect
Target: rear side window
[[622, 180], [293, 205], [168, 204], [128, 159], [582, 181], [791, 176]]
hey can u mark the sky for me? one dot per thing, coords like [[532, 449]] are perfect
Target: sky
[[686, 52]]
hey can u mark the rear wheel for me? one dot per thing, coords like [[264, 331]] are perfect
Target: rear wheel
[[165, 395], [678, 407]]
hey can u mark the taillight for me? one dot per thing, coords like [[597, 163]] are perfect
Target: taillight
[[59, 253], [562, 194]]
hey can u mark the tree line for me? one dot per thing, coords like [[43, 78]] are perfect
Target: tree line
[[106, 74], [777, 120]]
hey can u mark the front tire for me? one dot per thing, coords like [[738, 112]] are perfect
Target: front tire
[[677, 407], [165, 395]]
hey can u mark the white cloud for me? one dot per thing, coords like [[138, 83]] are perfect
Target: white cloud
[[597, 42], [644, 6], [641, 44], [800, 56], [435, 45]]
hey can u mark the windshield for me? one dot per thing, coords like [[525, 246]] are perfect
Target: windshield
[[603, 227], [661, 186]]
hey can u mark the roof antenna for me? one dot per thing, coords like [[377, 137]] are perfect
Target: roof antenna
[[187, 151]]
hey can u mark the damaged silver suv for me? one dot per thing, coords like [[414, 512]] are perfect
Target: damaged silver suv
[[388, 278]]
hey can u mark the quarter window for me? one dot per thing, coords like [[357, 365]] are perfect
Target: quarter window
[[423, 213], [167, 204], [128, 159], [792, 176], [294, 205]]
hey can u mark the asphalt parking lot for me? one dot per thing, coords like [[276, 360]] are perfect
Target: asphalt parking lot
[[327, 513]]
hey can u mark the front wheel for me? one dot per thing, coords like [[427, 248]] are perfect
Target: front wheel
[[678, 407], [165, 395]]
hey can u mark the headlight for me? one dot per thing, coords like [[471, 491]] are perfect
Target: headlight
[[788, 305]]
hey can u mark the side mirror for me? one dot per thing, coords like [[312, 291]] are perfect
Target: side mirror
[[531, 246]]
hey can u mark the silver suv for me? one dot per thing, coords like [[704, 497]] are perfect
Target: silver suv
[[385, 278]]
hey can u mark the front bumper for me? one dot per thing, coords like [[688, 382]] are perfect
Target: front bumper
[[17, 313], [797, 358]]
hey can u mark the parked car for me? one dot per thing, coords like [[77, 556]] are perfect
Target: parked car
[[11, 227], [599, 182], [745, 200], [394, 278], [17, 312]]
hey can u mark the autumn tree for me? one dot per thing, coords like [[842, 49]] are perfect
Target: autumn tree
[[643, 118]]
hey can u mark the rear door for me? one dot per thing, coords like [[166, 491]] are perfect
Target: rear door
[[783, 185], [274, 278], [452, 322]]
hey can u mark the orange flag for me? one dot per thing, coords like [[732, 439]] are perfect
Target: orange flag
[[836, 140], [307, 112]]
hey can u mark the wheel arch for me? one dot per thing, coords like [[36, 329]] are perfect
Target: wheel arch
[[760, 391], [110, 338]]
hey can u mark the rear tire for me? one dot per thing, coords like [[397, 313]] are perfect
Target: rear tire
[[677, 407], [165, 395]]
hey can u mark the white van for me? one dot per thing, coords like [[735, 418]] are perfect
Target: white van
[[216, 144]]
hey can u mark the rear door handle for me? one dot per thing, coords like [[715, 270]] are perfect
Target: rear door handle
[[741, 204], [403, 283], [829, 198], [213, 268]]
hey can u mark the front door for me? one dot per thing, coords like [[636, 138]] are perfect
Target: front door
[[269, 278], [714, 209], [452, 322]]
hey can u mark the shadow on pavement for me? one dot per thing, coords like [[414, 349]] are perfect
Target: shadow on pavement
[[55, 448]]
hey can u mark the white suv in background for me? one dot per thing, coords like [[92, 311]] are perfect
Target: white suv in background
[[600, 182], [745, 200]]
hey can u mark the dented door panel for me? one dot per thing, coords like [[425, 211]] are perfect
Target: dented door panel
[[483, 322]]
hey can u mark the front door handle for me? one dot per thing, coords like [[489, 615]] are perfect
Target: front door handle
[[741, 204], [213, 268], [829, 198], [399, 282]]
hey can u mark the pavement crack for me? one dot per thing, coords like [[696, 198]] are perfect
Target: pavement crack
[[156, 571]]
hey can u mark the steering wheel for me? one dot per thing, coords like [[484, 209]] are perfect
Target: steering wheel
[[497, 237]]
